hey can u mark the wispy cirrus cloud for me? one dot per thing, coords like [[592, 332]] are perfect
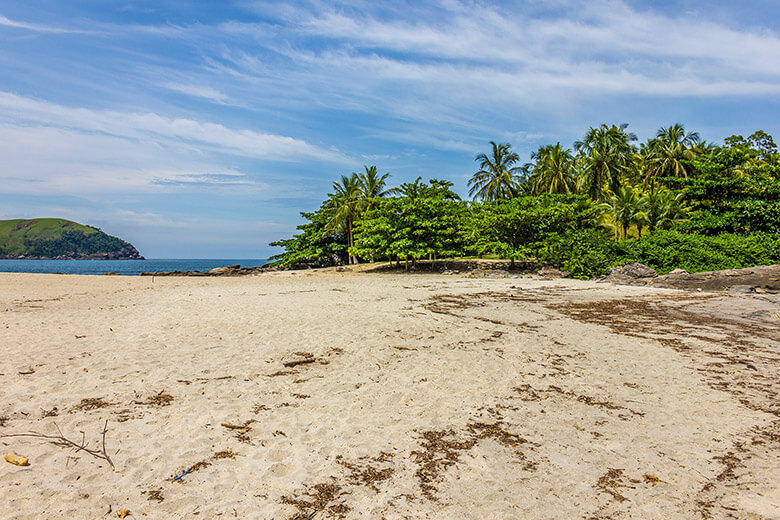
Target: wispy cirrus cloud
[[150, 126], [40, 28]]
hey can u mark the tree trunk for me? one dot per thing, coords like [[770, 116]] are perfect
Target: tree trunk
[[350, 242]]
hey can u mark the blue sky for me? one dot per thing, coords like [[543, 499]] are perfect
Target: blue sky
[[201, 129]]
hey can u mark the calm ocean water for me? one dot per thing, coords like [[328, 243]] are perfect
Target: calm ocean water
[[127, 267]]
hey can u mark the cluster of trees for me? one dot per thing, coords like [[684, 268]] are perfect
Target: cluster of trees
[[75, 242], [673, 201]]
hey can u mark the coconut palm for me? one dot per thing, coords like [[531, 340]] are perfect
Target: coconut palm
[[625, 207], [606, 155], [553, 171], [498, 177], [343, 207], [663, 208], [371, 186], [351, 197], [674, 148]]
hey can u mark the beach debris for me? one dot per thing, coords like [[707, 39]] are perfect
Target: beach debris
[[224, 454], [366, 474], [3, 421], [188, 470], [436, 455], [159, 399], [16, 459], [241, 430], [122, 513], [652, 479], [49, 413], [30, 370], [611, 481], [281, 373], [91, 403], [299, 358], [60, 440], [154, 494], [318, 499]]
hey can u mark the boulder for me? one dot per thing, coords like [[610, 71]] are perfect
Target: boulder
[[553, 272], [634, 271]]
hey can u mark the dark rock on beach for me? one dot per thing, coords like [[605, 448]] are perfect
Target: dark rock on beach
[[763, 278], [230, 270]]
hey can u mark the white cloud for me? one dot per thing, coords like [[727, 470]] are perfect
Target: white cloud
[[199, 91], [39, 28], [154, 128]]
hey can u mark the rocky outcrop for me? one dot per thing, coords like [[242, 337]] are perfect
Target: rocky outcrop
[[763, 278], [230, 270]]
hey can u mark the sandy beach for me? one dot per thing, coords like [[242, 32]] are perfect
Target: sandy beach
[[325, 394]]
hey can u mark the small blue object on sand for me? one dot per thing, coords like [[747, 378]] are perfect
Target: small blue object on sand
[[180, 476]]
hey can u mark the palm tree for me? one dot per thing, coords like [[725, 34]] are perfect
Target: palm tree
[[343, 207], [353, 196], [674, 148], [498, 177], [606, 155], [553, 171], [663, 208], [410, 190], [626, 207], [371, 186]]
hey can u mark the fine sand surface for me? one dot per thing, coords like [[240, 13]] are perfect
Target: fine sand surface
[[416, 396]]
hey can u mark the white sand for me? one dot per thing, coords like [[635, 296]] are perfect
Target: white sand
[[540, 411]]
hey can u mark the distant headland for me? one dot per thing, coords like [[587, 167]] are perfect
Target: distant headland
[[60, 239]]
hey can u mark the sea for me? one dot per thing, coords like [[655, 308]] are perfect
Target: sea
[[124, 267]]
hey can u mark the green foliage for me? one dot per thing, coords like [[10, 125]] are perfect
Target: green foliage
[[427, 224], [51, 237], [553, 170], [704, 207], [669, 250], [499, 177], [312, 247], [585, 253], [606, 156], [722, 201], [519, 228], [625, 207]]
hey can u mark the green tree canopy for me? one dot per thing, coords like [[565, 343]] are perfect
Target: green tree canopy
[[499, 177]]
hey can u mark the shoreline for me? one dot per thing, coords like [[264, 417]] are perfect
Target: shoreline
[[425, 396]]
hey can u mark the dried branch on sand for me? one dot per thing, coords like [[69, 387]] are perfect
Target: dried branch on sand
[[61, 440]]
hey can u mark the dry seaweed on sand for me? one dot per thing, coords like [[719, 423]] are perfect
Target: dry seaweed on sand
[[611, 481], [154, 494], [366, 474], [317, 499], [241, 431], [437, 453], [224, 454], [159, 399], [91, 403]]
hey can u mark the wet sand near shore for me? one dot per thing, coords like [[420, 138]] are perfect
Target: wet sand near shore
[[325, 394]]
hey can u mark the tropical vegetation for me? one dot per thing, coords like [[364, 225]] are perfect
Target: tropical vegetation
[[673, 201]]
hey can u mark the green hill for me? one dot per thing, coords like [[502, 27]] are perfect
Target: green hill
[[59, 238]]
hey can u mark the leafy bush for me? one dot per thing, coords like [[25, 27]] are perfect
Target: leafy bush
[[668, 250]]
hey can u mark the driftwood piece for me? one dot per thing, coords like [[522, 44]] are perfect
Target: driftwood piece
[[296, 362], [61, 440]]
